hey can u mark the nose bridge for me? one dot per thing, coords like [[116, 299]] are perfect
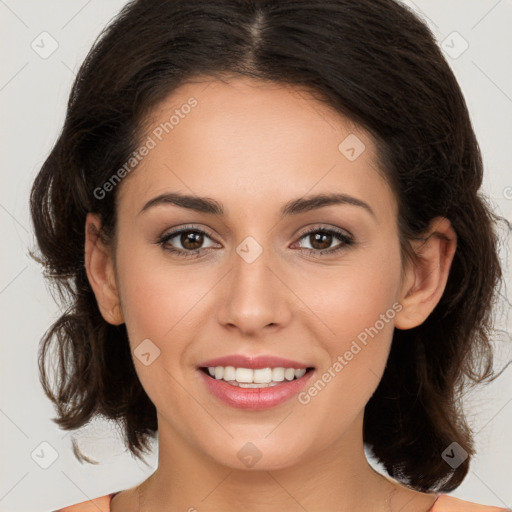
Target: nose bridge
[[254, 298]]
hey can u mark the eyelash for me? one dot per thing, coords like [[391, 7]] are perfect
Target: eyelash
[[164, 239]]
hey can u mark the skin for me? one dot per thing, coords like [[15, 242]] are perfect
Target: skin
[[253, 146]]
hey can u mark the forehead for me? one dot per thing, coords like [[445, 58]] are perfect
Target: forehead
[[248, 139]]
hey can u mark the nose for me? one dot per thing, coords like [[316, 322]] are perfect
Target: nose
[[254, 296]]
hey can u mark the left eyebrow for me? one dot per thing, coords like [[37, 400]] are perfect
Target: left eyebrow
[[293, 207], [304, 204]]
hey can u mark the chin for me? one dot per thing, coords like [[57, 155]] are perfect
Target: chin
[[260, 454]]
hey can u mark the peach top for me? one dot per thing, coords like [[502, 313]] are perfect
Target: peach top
[[444, 503]]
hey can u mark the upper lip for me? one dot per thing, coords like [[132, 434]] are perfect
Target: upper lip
[[262, 361]]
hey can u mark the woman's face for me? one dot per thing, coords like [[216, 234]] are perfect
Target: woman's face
[[259, 285]]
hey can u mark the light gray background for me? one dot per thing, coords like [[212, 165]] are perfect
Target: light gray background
[[33, 96]]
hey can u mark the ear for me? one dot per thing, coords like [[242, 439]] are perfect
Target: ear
[[99, 265], [425, 277]]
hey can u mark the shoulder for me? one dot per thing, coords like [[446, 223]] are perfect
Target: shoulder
[[101, 504], [447, 503]]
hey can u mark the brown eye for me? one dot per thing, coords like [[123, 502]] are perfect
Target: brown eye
[[321, 240], [191, 240], [186, 242]]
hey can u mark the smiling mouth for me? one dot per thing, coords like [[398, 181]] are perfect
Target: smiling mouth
[[255, 378]]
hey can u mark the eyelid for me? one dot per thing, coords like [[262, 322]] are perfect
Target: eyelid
[[324, 227], [188, 227], [345, 237], [184, 229]]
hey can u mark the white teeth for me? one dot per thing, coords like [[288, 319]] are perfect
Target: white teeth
[[244, 375], [254, 385], [253, 378], [300, 373], [289, 373], [263, 376], [229, 373], [278, 374]]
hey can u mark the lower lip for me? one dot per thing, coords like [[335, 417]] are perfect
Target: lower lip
[[255, 398]]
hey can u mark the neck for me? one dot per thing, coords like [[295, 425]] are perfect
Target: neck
[[337, 478]]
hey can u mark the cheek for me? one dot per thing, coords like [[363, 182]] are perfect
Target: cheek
[[355, 362], [359, 305], [156, 294], [160, 303], [362, 322], [356, 296], [357, 308]]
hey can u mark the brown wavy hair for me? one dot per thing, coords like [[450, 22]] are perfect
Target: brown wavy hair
[[371, 60]]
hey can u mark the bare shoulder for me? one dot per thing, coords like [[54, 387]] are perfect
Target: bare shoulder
[[101, 504], [447, 503]]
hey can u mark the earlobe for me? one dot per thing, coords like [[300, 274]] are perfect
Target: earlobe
[[426, 277], [99, 266]]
